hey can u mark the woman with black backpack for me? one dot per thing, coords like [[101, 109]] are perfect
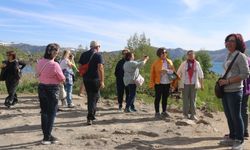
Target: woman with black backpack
[[12, 74]]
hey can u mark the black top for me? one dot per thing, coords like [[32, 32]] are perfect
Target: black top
[[92, 72], [119, 72], [12, 69]]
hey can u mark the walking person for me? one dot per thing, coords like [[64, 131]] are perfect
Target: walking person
[[233, 90], [191, 79], [12, 74], [160, 79], [66, 66], [93, 79], [119, 74], [50, 76], [131, 72]]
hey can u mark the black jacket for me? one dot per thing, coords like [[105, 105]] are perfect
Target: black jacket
[[119, 72]]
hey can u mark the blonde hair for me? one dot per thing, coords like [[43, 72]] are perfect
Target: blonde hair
[[65, 53]]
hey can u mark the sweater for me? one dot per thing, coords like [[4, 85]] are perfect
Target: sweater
[[239, 68], [131, 71], [182, 73]]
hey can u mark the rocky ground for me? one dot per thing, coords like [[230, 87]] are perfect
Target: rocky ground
[[20, 128]]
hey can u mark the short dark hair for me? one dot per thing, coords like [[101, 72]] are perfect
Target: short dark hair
[[49, 49], [240, 44], [128, 56], [190, 51], [160, 51], [11, 53]]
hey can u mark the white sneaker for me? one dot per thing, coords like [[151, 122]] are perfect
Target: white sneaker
[[71, 105], [194, 118], [238, 145], [226, 142]]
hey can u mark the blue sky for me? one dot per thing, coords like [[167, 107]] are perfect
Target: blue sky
[[189, 24]]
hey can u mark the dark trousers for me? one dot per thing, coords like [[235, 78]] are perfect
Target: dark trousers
[[131, 99], [161, 92], [93, 94], [11, 85], [232, 109], [120, 87], [244, 112], [48, 97]]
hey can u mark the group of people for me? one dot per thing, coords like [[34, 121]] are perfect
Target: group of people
[[163, 78]]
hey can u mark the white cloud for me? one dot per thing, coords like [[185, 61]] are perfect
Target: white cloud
[[113, 34]]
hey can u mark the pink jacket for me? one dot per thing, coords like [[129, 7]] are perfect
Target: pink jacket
[[49, 72]]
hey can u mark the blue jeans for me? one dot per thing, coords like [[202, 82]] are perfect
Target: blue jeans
[[68, 88], [48, 97], [131, 99], [232, 108]]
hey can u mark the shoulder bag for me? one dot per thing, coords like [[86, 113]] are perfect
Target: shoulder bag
[[219, 90], [84, 67]]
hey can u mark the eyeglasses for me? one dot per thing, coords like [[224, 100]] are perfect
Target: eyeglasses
[[230, 41]]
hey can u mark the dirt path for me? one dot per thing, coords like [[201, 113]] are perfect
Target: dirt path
[[20, 128]]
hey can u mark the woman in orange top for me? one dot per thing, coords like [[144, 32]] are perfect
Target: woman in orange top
[[161, 76]]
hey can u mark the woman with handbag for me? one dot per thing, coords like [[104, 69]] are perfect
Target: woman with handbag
[[191, 79], [132, 78], [12, 75], [66, 66], [237, 67], [161, 76], [50, 76]]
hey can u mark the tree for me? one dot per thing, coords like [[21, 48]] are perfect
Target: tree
[[138, 42], [205, 61]]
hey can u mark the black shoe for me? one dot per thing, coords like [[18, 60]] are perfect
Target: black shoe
[[53, 140], [14, 102], [133, 110], [128, 110], [89, 122], [46, 141], [246, 134]]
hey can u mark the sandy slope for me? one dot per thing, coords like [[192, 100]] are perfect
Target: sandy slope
[[20, 128]]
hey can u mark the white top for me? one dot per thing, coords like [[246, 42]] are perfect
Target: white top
[[164, 75], [198, 74], [64, 64]]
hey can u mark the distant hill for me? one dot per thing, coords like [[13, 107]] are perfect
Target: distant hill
[[216, 55]]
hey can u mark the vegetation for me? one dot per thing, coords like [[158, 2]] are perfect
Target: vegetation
[[141, 46]]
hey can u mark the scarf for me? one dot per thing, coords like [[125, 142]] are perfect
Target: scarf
[[190, 69]]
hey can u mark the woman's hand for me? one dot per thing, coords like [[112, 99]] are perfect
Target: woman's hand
[[3, 65], [223, 82]]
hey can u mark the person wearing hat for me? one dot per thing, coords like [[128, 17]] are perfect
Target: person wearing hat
[[160, 80], [93, 79], [191, 75], [119, 74]]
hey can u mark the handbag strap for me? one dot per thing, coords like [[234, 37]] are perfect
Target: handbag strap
[[91, 57], [230, 66], [43, 68]]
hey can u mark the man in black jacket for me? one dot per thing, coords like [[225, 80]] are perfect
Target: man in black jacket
[[119, 73]]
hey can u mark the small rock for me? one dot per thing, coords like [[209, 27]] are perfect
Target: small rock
[[70, 130], [150, 134], [169, 130], [184, 123], [177, 133], [208, 114], [104, 130], [203, 122], [124, 132], [88, 144]]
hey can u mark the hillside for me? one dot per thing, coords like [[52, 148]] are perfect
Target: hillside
[[216, 55]]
